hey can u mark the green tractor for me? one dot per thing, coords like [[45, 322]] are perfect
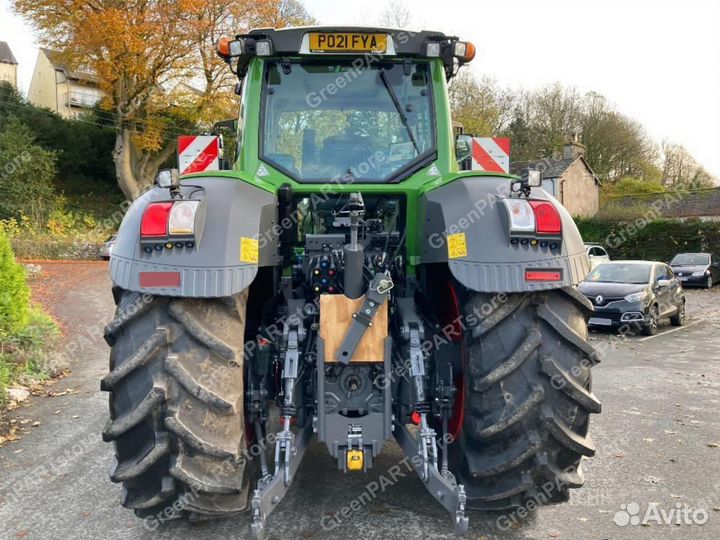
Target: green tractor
[[347, 281]]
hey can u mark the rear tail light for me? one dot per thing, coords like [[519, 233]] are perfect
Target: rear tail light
[[522, 218], [174, 223], [182, 218], [155, 220], [547, 217]]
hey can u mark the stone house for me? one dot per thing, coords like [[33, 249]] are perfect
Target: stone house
[[64, 91], [570, 179], [8, 65]]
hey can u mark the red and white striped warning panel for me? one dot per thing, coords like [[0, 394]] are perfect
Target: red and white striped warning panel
[[198, 153], [491, 154]]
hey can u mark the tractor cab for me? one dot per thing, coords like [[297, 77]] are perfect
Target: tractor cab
[[348, 105]]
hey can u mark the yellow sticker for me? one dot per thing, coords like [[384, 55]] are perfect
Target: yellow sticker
[[457, 246], [249, 249]]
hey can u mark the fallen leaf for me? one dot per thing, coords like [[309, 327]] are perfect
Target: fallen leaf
[[648, 440], [9, 437], [21, 534], [36, 423], [713, 445]]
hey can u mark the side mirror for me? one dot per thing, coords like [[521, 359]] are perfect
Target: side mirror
[[716, 264], [230, 125], [463, 151]]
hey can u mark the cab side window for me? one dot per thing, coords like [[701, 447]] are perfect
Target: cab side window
[[659, 273]]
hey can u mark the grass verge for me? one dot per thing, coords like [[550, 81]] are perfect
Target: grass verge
[[27, 357]]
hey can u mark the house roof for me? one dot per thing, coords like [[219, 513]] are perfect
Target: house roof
[[551, 168], [55, 58], [676, 204], [6, 55]]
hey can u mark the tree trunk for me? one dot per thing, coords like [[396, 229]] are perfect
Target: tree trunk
[[136, 170], [122, 156]]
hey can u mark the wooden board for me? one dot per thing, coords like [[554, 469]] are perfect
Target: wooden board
[[336, 311]]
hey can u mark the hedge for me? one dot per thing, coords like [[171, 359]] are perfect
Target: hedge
[[644, 239], [14, 292]]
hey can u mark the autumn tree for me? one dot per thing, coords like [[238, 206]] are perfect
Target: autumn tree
[[141, 51], [480, 105]]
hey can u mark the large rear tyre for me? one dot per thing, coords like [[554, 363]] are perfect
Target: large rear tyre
[[527, 398], [176, 405]]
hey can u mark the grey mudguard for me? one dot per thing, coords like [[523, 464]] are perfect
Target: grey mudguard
[[472, 205], [212, 268]]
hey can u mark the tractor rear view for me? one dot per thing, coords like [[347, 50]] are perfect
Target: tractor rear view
[[346, 281]]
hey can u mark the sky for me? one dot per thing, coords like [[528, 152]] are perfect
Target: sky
[[658, 61]]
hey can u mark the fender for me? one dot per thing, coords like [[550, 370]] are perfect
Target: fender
[[489, 261], [233, 210]]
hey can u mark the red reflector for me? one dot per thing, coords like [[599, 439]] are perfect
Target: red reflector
[[159, 279], [155, 219], [415, 417], [547, 217], [543, 275]]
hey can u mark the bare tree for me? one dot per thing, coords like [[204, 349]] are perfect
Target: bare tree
[[680, 170], [395, 15]]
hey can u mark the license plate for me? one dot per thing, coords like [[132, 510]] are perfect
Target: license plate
[[339, 42], [683, 279], [598, 321]]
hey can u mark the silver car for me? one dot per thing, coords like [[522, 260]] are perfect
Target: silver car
[[596, 254]]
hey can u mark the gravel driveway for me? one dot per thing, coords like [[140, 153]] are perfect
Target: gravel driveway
[[658, 441]]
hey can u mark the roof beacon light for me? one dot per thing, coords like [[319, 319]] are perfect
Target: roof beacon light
[[464, 51], [223, 47]]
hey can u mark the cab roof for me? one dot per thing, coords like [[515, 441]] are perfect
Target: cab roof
[[407, 43]]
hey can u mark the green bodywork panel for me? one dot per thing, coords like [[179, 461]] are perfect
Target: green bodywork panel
[[443, 170]]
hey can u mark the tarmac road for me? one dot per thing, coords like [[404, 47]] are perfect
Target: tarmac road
[[658, 441]]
